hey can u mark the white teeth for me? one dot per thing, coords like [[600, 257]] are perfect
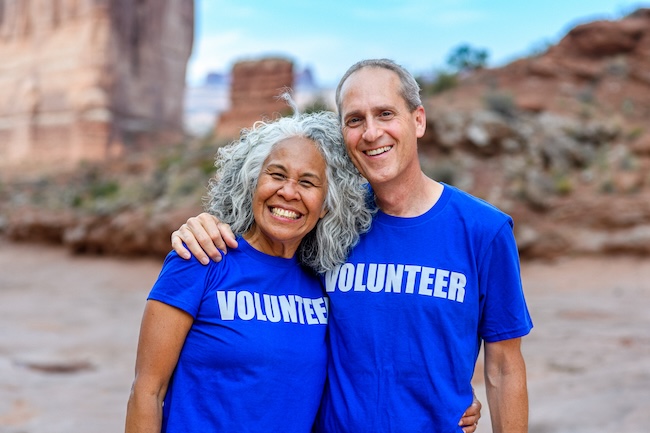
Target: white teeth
[[284, 213], [378, 151]]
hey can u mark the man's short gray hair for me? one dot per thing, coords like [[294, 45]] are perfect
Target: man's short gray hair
[[410, 89]]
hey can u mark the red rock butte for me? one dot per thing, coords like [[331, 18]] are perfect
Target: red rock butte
[[90, 79], [256, 85]]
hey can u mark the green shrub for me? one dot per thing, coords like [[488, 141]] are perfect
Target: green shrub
[[444, 81], [500, 102]]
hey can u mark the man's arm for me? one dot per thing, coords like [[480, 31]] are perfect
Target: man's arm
[[205, 237], [505, 381]]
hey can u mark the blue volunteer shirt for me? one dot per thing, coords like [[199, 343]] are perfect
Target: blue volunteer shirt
[[255, 357], [409, 310]]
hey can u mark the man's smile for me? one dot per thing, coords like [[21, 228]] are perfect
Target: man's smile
[[379, 151]]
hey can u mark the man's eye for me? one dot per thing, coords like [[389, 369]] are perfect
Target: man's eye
[[386, 114], [353, 121]]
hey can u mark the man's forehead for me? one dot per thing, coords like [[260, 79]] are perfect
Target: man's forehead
[[370, 86]]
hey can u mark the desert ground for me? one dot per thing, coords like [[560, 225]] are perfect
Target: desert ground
[[70, 326]]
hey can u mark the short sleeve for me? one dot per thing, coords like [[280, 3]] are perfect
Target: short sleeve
[[181, 283], [503, 309]]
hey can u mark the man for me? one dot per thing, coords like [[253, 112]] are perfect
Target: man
[[437, 274]]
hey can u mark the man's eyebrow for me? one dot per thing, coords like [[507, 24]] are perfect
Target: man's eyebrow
[[384, 108], [351, 113]]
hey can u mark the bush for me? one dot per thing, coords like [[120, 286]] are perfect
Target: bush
[[444, 81], [500, 102]]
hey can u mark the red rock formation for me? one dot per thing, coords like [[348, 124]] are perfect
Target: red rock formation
[[88, 79], [560, 141], [597, 69], [253, 94]]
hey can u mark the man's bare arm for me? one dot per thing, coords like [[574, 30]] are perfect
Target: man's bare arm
[[507, 391], [205, 237]]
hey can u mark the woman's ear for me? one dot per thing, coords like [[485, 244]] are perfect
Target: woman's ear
[[323, 212]]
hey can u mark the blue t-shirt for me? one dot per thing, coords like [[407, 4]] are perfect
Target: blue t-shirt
[[255, 357], [408, 312]]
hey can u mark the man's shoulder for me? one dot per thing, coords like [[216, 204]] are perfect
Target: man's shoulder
[[476, 208]]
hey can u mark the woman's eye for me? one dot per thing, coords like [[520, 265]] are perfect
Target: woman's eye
[[277, 176], [306, 183]]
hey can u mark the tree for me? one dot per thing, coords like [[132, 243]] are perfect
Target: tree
[[467, 58]]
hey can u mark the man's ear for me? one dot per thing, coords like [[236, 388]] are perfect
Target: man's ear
[[420, 118]]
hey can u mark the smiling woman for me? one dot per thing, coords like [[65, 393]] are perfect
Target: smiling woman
[[236, 345], [289, 198]]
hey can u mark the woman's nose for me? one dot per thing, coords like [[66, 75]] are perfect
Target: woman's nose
[[289, 190]]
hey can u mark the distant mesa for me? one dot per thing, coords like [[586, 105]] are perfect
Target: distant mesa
[[226, 103]]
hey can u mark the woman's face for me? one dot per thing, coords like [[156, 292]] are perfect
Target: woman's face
[[289, 198]]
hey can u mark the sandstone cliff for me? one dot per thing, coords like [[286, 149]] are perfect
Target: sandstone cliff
[[82, 80], [560, 140]]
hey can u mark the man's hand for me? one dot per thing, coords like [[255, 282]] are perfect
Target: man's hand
[[470, 418], [205, 237]]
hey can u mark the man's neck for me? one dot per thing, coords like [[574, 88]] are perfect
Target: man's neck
[[408, 199]]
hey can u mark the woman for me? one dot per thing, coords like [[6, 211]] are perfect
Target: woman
[[239, 345]]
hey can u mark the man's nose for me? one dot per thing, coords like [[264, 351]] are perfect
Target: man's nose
[[372, 131]]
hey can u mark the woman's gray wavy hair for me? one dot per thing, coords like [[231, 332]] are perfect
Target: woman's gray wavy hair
[[230, 194]]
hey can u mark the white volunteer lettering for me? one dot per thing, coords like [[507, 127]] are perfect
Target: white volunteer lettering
[[376, 275], [425, 280], [395, 278], [245, 305], [258, 307], [288, 306], [272, 308], [457, 283], [309, 312], [301, 316], [226, 304], [346, 277], [358, 278], [330, 279], [320, 308], [441, 283], [411, 273]]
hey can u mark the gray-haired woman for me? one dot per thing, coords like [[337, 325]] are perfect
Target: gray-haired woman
[[239, 345]]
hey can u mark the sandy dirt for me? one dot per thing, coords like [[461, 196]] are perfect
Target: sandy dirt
[[70, 324]]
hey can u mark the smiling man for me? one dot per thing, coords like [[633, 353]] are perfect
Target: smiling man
[[437, 274], [435, 277]]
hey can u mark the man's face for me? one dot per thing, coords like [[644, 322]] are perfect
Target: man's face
[[379, 130]]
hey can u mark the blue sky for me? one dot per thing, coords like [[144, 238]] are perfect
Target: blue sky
[[331, 35]]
